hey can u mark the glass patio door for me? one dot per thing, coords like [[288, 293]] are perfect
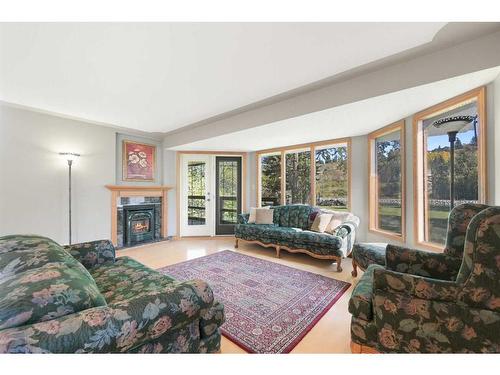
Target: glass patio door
[[196, 213], [228, 193]]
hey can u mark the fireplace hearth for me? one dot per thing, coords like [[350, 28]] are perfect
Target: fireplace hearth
[[138, 224]]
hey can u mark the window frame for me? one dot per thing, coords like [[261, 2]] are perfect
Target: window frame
[[373, 181], [420, 202], [304, 147]]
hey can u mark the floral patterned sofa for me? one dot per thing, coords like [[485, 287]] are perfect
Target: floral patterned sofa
[[291, 231], [424, 302], [80, 299]]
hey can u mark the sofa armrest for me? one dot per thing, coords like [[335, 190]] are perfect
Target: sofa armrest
[[212, 319], [243, 218], [114, 328], [92, 253], [422, 263], [347, 231], [388, 281]]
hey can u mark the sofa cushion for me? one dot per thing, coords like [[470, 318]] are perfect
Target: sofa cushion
[[366, 254], [294, 215], [321, 222], [21, 253], [45, 293], [313, 238], [127, 278], [40, 281], [253, 213], [360, 304], [264, 216]]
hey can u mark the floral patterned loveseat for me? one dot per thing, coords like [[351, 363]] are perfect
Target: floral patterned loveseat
[[291, 231], [425, 302], [80, 299]]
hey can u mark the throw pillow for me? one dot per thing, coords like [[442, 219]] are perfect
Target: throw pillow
[[264, 216], [338, 219], [253, 213], [321, 222]]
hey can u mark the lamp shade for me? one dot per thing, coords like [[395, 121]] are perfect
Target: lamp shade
[[453, 124], [70, 156]]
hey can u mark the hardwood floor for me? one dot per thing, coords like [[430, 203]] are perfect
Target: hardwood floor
[[329, 335]]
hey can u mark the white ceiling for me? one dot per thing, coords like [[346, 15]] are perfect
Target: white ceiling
[[349, 120], [158, 77]]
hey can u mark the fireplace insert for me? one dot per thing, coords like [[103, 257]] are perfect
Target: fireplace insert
[[139, 224]]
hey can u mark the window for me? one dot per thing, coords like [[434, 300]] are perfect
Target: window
[[315, 173], [450, 162], [196, 193], [298, 177], [386, 183], [332, 177], [270, 179]]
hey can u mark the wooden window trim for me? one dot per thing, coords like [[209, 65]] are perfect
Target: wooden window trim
[[304, 147], [420, 195], [373, 181]]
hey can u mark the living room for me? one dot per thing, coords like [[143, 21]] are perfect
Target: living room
[[250, 187]]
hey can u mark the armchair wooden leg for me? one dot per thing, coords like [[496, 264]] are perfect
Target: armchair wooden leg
[[236, 244], [355, 348], [339, 266], [278, 251], [354, 272], [362, 349]]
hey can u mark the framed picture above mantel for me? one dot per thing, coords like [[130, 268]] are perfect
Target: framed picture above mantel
[[138, 161]]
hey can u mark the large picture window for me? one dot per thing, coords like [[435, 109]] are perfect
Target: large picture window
[[332, 176], [386, 183], [450, 150], [315, 173], [298, 176], [270, 179]]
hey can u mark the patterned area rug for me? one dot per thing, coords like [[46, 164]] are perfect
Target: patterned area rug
[[269, 307]]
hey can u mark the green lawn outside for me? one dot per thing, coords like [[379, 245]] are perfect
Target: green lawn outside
[[396, 211]]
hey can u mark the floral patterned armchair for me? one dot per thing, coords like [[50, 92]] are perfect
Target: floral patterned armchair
[[82, 300], [423, 302]]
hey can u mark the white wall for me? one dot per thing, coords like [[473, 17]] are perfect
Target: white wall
[[494, 94], [33, 177], [170, 178]]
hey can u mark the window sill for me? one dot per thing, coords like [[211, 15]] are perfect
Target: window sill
[[390, 235]]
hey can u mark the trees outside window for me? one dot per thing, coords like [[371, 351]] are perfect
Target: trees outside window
[[332, 179], [316, 173], [270, 179], [298, 177]]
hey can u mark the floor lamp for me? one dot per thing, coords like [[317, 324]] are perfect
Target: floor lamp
[[452, 125], [69, 156]]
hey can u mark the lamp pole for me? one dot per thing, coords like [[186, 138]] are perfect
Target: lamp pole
[[453, 124], [452, 137], [70, 156], [70, 163]]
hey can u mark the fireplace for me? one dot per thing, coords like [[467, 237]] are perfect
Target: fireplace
[[138, 224]]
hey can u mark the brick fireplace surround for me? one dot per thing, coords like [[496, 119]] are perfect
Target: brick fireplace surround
[[118, 191]]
